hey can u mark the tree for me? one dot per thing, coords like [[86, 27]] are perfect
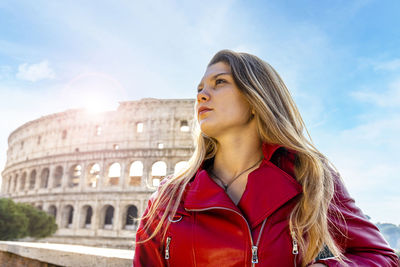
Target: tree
[[13, 223], [40, 223], [21, 220]]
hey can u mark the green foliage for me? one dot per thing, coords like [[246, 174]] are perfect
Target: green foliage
[[40, 223], [18, 220], [13, 223]]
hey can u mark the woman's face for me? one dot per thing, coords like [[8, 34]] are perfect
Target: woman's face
[[221, 108]]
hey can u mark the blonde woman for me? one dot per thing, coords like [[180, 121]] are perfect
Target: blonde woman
[[256, 192]]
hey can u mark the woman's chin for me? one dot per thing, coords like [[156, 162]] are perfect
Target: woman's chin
[[208, 129]]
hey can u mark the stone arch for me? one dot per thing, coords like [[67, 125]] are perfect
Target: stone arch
[[32, 179], [179, 166], [57, 176], [135, 173], [52, 210], [114, 173], [86, 216], [93, 175], [67, 216], [158, 172], [107, 218], [23, 181], [184, 126], [44, 178], [75, 173], [130, 216]]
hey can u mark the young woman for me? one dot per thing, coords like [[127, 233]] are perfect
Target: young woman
[[256, 192]]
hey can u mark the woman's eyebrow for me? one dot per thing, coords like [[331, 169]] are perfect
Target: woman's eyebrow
[[215, 77]]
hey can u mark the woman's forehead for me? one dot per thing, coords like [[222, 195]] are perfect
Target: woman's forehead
[[215, 70]]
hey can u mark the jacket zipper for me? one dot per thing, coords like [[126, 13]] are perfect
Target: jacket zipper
[[295, 249], [167, 248], [254, 248]]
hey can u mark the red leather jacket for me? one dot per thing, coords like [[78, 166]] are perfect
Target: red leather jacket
[[210, 230]]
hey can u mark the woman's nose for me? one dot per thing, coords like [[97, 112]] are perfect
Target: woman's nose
[[203, 95]]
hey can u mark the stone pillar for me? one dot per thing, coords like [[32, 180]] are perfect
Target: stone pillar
[[59, 206], [65, 176], [50, 183], [77, 212], [83, 177], [38, 178], [75, 215], [117, 220], [16, 185], [170, 166], [146, 179], [96, 217], [122, 178]]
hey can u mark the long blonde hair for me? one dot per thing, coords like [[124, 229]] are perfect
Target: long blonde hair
[[278, 122]]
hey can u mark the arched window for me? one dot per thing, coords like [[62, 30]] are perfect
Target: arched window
[[67, 217], [75, 173], [98, 130], [180, 166], [23, 181], [109, 217], [135, 173], [184, 126], [44, 178], [32, 179], [93, 175], [158, 171], [52, 211], [86, 217], [131, 215], [114, 173], [58, 174], [139, 127]]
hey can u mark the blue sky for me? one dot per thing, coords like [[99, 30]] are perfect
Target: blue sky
[[340, 59]]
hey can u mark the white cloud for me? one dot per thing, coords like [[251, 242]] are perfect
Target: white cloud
[[381, 98], [35, 72], [367, 158]]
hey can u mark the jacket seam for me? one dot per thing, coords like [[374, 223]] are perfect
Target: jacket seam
[[193, 238]]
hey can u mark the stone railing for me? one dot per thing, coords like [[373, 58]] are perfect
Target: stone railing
[[49, 255]]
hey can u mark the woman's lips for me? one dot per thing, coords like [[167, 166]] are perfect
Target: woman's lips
[[203, 110]]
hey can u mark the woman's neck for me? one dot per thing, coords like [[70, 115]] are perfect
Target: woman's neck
[[237, 153]]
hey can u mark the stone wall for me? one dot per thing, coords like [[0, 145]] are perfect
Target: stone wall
[[95, 172], [48, 255]]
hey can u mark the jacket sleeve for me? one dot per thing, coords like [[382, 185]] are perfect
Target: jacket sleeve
[[147, 254], [359, 239]]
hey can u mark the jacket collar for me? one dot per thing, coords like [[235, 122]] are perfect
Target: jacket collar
[[267, 189]]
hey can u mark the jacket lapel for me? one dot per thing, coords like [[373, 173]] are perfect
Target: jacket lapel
[[204, 193], [267, 189]]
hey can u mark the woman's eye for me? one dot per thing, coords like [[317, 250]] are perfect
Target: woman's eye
[[218, 81]]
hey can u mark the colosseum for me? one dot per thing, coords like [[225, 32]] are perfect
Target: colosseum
[[95, 172]]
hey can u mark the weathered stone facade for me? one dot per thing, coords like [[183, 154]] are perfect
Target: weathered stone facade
[[94, 172]]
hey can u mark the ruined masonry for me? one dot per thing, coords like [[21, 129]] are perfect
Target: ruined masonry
[[95, 172]]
